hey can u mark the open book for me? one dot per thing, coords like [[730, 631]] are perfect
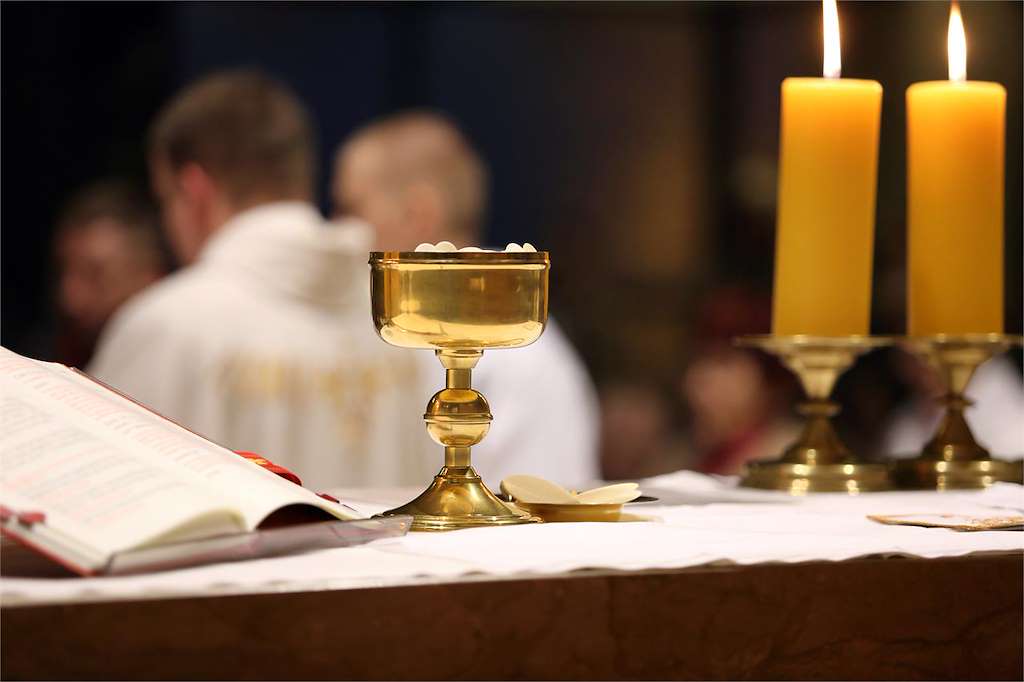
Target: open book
[[87, 474]]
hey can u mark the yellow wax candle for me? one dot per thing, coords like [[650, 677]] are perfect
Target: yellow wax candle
[[955, 156], [826, 214]]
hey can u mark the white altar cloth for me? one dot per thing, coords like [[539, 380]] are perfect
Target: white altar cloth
[[698, 520]]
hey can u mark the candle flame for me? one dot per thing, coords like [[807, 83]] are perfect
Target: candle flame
[[956, 43], [832, 66]]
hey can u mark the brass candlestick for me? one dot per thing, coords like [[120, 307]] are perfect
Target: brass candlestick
[[818, 461], [458, 305], [953, 458]]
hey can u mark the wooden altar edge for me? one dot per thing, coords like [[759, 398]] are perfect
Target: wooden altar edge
[[872, 618], [373, 583]]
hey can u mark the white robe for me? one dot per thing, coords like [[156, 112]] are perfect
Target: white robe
[[266, 344]]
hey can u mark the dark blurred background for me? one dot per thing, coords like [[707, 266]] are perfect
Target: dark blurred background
[[635, 141]]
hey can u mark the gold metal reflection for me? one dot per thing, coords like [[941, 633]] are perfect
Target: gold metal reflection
[[459, 305]]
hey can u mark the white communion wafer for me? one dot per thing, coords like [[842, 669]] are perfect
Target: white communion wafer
[[618, 493], [529, 489], [447, 247]]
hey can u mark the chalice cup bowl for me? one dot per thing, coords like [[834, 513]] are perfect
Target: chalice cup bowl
[[459, 304]]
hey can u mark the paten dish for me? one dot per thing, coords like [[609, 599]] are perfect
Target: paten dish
[[562, 513]]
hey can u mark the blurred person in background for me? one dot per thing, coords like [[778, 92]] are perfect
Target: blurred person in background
[[107, 247], [996, 418], [263, 341], [638, 438], [739, 400], [415, 178]]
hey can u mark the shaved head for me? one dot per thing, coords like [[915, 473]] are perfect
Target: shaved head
[[415, 178]]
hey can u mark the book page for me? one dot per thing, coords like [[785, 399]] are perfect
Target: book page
[[112, 474], [255, 491]]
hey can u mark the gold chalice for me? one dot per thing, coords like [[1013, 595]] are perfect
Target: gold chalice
[[953, 458], [459, 304], [818, 461]]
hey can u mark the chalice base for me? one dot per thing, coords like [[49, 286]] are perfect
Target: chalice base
[[798, 479], [456, 499], [930, 474]]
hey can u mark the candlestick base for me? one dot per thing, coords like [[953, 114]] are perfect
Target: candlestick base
[[953, 458], [818, 461]]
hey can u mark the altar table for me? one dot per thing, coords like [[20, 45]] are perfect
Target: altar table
[[732, 584], [956, 618]]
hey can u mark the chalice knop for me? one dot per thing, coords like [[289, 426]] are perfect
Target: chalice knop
[[953, 458], [459, 304], [818, 461]]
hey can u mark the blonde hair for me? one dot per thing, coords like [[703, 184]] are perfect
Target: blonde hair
[[424, 146]]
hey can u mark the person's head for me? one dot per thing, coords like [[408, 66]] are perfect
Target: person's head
[[415, 178], [226, 143], [107, 247], [729, 389], [636, 425]]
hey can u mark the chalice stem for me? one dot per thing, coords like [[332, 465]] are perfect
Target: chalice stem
[[458, 378], [458, 373], [461, 377], [456, 457]]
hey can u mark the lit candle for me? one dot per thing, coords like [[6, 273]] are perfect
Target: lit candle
[[955, 143], [826, 216]]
